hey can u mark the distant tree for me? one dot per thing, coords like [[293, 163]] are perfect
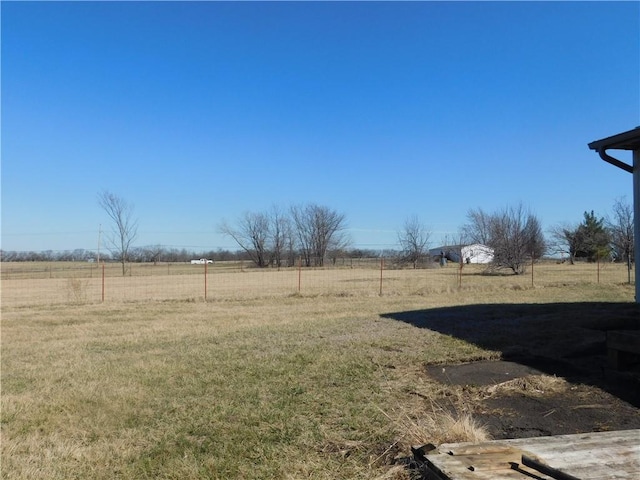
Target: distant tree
[[177, 255], [106, 257], [251, 233], [479, 227], [564, 240], [125, 226], [61, 256], [413, 240], [150, 253], [369, 253], [154, 253], [136, 255], [224, 255], [79, 255], [210, 254], [592, 239], [318, 230], [621, 231], [282, 240], [516, 239], [514, 234]]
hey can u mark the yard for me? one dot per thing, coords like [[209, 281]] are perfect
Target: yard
[[325, 383]]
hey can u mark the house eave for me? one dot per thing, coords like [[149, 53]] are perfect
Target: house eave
[[629, 140]]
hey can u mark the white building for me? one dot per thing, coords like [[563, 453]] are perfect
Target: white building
[[475, 253]]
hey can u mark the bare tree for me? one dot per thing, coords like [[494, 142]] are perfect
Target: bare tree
[[514, 233], [251, 235], [125, 226], [478, 230], [621, 226], [565, 240], [152, 253], [414, 240], [282, 239], [318, 229], [590, 239], [516, 238]]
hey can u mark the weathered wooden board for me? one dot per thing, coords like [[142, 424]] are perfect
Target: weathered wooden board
[[599, 455]]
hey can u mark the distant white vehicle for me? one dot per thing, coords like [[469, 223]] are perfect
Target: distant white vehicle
[[201, 261]]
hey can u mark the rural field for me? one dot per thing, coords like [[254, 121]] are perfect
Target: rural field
[[50, 283], [281, 374]]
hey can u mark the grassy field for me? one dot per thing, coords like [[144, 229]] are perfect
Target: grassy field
[[47, 283], [290, 385]]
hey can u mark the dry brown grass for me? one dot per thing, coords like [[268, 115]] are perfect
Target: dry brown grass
[[267, 385], [533, 385], [30, 284], [437, 425]]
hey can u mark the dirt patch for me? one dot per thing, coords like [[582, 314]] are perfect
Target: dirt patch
[[480, 373], [557, 340], [515, 400]]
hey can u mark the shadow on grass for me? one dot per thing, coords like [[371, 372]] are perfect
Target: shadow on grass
[[563, 339]]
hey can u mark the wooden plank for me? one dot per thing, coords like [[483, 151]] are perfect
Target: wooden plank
[[485, 457], [489, 461], [542, 467], [451, 468], [598, 455], [586, 456], [580, 442], [483, 448], [486, 460]]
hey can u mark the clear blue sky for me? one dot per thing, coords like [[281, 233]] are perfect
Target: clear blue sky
[[196, 112]]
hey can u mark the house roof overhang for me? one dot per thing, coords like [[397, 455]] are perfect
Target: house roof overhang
[[629, 140]]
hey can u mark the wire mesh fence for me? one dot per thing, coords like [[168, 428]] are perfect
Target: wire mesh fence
[[44, 283]]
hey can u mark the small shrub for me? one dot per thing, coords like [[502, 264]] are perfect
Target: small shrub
[[77, 290]]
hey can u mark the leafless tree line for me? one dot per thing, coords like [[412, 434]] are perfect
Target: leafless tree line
[[168, 254], [516, 237], [514, 234], [276, 237], [314, 233], [145, 254]]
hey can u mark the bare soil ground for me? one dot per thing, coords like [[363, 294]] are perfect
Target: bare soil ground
[[554, 377], [514, 400]]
